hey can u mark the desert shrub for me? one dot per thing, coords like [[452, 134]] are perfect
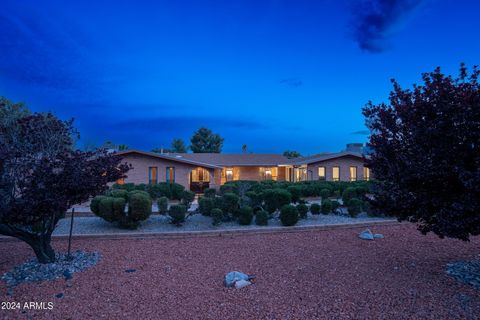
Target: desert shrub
[[126, 186], [255, 199], [140, 192], [176, 190], [206, 205], [276, 198], [230, 203], [348, 194], [118, 206], [325, 193], [118, 193], [245, 216], [361, 191], [217, 216], [261, 218], [187, 198], [354, 207], [139, 207], [229, 188], [315, 208], [94, 204], [105, 209], [162, 205], [177, 214], [335, 205], [302, 210], [326, 206], [209, 193], [141, 187], [295, 192], [289, 215]]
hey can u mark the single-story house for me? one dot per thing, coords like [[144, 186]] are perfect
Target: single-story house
[[197, 171]]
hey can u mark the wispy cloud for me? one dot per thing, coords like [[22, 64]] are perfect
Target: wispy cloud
[[372, 20], [361, 132], [292, 82]]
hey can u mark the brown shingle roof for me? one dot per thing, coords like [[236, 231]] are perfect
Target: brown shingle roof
[[235, 159], [171, 157]]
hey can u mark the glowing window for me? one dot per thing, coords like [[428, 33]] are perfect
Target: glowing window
[[366, 173], [353, 173], [152, 175], [336, 173], [321, 173], [229, 174], [170, 174]]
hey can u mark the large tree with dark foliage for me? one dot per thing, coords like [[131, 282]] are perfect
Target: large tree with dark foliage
[[426, 153], [42, 175], [205, 141]]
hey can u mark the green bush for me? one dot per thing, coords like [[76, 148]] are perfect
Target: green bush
[[118, 193], [230, 203], [126, 186], [229, 187], [177, 214], [119, 208], [187, 198], [348, 194], [326, 206], [261, 218], [302, 210], [246, 215], [140, 192], [206, 205], [295, 192], [354, 207], [276, 198], [209, 193], [217, 216], [139, 206], [325, 193], [176, 190], [94, 204], [315, 208], [255, 199], [335, 205], [105, 209], [289, 215], [162, 205]]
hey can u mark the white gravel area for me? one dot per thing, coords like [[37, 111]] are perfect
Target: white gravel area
[[160, 223]]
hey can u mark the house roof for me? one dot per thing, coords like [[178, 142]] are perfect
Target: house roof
[[325, 156], [235, 159], [171, 157]]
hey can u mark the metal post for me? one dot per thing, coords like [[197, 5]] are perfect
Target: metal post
[[70, 236]]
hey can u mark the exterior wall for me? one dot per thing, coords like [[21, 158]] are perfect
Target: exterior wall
[[344, 163], [253, 173], [141, 163]]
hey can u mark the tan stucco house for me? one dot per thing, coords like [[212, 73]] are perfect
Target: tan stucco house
[[197, 171]]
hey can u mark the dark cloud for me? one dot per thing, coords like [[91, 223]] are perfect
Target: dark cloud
[[372, 20], [361, 132], [292, 82]]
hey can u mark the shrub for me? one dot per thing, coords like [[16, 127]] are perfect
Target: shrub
[[245, 216], [177, 214], [348, 194], [217, 216], [209, 193], [289, 215], [176, 190], [326, 206], [230, 203], [335, 205], [206, 205], [105, 209], [229, 188], [118, 193], [315, 208], [261, 218], [119, 208], [94, 204], [187, 198], [302, 210], [139, 206], [162, 205], [254, 198], [295, 192], [140, 192], [325, 193], [276, 198], [354, 207], [126, 186]]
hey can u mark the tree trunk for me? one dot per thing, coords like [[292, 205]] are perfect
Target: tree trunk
[[42, 248]]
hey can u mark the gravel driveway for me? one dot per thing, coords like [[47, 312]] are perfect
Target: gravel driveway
[[300, 275]]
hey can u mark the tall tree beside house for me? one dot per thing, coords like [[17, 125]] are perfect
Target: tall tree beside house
[[42, 175], [205, 141], [426, 153], [178, 146], [291, 154], [122, 147]]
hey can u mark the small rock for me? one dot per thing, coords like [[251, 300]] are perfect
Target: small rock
[[366, 235], [232, 277], [59, 295], [378, 236], [130, 270], [242, 283]]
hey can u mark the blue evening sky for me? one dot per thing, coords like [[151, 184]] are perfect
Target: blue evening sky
[[274, 75]]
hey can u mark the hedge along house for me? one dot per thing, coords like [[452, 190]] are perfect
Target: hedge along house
[[198, 171]]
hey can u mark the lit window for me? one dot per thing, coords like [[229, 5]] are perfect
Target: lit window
[[229, 174], [366, 173], [268, 174], [152, 175], [120, 181], [353, 173], [170, 174], [321, 173], [336, 173]]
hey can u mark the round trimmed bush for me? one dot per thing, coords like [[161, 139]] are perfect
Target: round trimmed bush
[[255, 199], [325, 193], [187, 198], [206, 205], [162, 205], [118, 206], [140, 192], [217, 216], [139, 206], [245, 216], [295, 192], [302, 210], [230, 202], [176, 190], [348, 194], [354, 207], [261, 218], [95, 203], [335, 205], [315, 208], [209, 193], [276, 198], [177, 213], [118, 193], [289, 215], [105, 209], [326, 206]]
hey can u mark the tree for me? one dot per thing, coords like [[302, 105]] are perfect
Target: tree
[[122, 147], [291, 154], [204, 141], [244, 148], [41, 176], [426, 153], [178, 146]]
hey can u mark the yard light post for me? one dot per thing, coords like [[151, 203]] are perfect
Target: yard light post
[[70, 235]]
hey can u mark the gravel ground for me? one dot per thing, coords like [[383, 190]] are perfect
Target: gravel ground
[[160, 223], [299, 275]]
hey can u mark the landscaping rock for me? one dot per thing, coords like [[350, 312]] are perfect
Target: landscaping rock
[[467, 272], [242, 283], [366, 235], [235, 276], [378, 236]]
